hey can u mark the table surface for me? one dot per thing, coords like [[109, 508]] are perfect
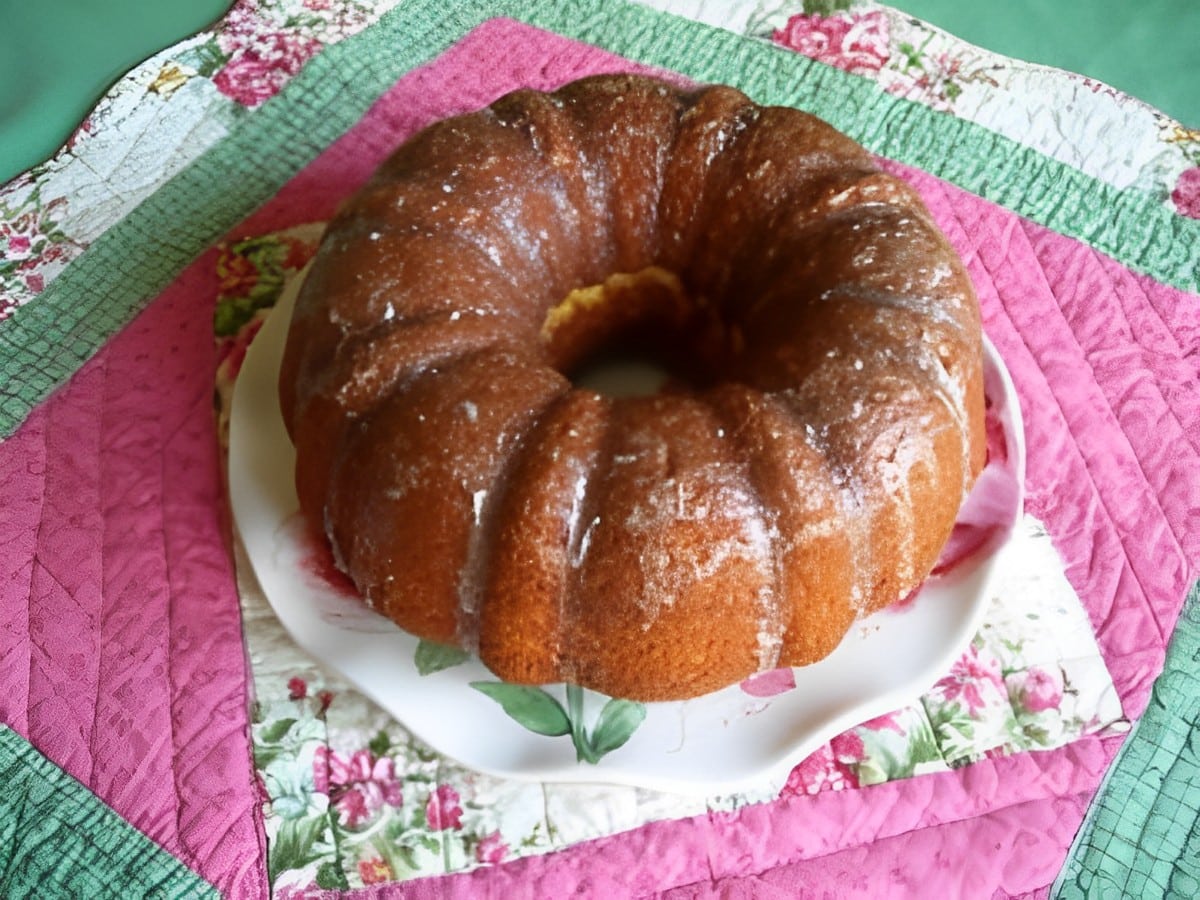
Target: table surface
[[57, 59]]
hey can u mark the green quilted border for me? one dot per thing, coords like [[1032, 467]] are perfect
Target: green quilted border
[[1141, 837], [58, 839], [44, 342]]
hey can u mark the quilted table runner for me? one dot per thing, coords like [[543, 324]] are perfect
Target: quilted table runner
[[166, 735]]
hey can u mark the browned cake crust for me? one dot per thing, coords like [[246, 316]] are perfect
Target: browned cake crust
[[804, 468]]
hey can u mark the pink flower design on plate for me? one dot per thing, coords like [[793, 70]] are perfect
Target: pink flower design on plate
[[768, 684], [854, 43], [443, 811], [491, 849], [1040, 690], [1186, 195], [358, 786]]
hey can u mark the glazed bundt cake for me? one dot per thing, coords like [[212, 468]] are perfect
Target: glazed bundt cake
[[803, 465]]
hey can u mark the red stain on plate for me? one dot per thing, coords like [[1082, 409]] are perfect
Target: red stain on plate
[[997, 442], [986, 515], [987, 511], [769, 684], [317, 562], [908, 599]]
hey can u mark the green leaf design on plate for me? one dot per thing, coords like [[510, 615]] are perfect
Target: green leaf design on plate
[[618, 721], [431, 657], [542, 713], [530, 706]]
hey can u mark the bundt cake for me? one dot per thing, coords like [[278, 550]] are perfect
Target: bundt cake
[[802, 466]]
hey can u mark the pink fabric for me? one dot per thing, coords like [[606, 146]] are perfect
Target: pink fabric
[[890, 834], [1105, 364], [924, 863], [120, 655]]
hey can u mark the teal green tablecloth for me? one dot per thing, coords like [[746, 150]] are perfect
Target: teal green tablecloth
[[57, 59], [1150, 50]]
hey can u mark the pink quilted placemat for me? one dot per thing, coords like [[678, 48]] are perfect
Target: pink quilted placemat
[[121, 652]]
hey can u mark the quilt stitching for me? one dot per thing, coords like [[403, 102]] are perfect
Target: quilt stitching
[[1065, 423], [1084, 354], [64, 842], [1182, 352], [1147, 486]]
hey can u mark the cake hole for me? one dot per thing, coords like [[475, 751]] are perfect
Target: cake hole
[[622, 377], [634, 335]]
